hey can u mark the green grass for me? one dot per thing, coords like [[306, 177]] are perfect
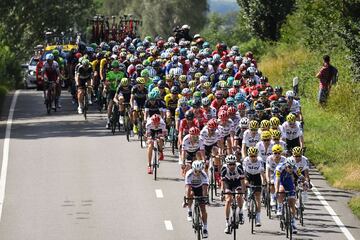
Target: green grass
[[354, 204], [331, 133]]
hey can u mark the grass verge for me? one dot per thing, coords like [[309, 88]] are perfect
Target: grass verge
[[354, 204]]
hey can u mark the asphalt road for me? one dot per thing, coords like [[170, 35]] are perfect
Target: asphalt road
[[71, 179]]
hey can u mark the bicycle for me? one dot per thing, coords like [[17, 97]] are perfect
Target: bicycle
[[50, 96], [267, 200], [196, 217], [114, 119], [155, 161], [85, 102], [126, 121], [234, 219], [251, 205], [300, 208], [173, 136], [285, 218], [100, 98], [140, 127], [212, 183]]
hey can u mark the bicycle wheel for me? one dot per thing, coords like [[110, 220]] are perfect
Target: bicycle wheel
[[212, 183], [48, 104], [234, 223], [141, 133], [197, 223], [252, 212], [85, 105], [288, 221], [172, 132], [301, 209], [154, 163], [127, 126]]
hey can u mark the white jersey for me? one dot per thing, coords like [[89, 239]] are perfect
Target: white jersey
[[249, 140], [263, 153], [253, 168], [207, 139], [211, 113], [291, 133], [189, 147], [196, 181], [151, 127], [226, 174], [271, 164], [303, 164], [236, 119], [227, 128], [295, 107]]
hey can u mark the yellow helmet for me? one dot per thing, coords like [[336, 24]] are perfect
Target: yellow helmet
[[124, 82], [277, 148], [253, 125], [140, 80], [291, 118], [297, 151], [276, 134], [265, 124], [275, 122], [198, 75], [252, 151], [192, 84], [182, 79], [265, 135]]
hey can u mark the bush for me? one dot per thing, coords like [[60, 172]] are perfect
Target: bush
[[3, 92], [10, 70]]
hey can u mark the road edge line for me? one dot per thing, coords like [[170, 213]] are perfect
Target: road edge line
[[6, 148], [333, 214]]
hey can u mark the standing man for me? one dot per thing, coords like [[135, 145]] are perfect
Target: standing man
[[327, 76]]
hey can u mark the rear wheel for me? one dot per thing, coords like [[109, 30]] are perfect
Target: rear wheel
[[154, 165]]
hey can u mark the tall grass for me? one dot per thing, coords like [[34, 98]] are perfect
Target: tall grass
[[331, 133]]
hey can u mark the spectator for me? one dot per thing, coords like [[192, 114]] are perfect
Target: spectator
[[327, 76]]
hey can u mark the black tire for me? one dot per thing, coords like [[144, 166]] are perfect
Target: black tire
[[154, 165], [252, 214], [140, 129], [198, 227], [212, 183], [127, 126], [288, 222], [234, 223]]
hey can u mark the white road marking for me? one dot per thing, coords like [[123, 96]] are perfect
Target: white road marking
[[159, 193], [168, 225], [5, 158], [333, 214]]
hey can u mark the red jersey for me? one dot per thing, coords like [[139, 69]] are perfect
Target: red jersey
[[217, 105], [185, 125]]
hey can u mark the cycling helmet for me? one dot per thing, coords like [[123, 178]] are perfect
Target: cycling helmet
[[196, 103], [231, 110], [85, 62], [275, 110], [174, 90], [145, 73], [232, 92], [219, 94], [230, 159], [277, 148], [124, 82], [240, 97], [265, 124], [252, 151], [194, 131], [297, 151], [55, 52], [237, 83], [197, 94], [224, 108], [276, 134], [161, 84], [244, 122], [155, 119], [290, 94], [207, 85], [182, 102], [122, 66], [203, 79], [182, 79], [115, 64], [289, 162], [189, 115], [282, 101], [223, 115], [241, 106], [212, 124], [49, 56], [265, 135], [255, 94], [140, 80], [230, 81], [186, 92], [205, 101], [291, 118], [278, 89], [253, 125], [275, 122], [230, 101], [197, 165], [153, 95], [259, 107], [156, 79]]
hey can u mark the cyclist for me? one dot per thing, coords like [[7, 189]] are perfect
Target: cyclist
[[83, 76], [155, 128], [264, 146], [154, 105], [209, 110], [196, 184], [250, 138], [123, 95], [180, 111], [137, 101], [185, 124], [211, 138], [50, 72], [254, 175], [276, 139], [112, 81], [284, 181], [192, 148], [292, 132], [232, 178], [302, 164], [238, 137], [61, 64], [227, 131], [171, 102], [271, 162]]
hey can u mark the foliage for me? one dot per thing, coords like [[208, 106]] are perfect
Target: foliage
[[354, 204], [264, 18]]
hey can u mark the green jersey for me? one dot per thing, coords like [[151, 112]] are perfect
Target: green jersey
[[114, 78]]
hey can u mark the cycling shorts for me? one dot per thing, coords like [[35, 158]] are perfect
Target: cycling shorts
[[232, 185], [254, 180]]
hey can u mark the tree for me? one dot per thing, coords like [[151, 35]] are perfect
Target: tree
[[264, 18]]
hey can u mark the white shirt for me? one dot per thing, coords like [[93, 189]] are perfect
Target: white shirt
[[249, 140], [262, 152], [196, 181], [253, 168], [189, 147], [291, 133], [207, 139]]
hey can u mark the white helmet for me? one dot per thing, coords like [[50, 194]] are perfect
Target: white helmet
[[290, 94], [171, 39], [244, 122], [290, 162], [229, 65], [230, 159], [198, 165], [185, 27]]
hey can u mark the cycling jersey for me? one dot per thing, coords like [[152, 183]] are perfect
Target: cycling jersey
[[250, 140], [200, 116], [52, 72], [125, 92], [84, 74], [263, 153], [188, 146], [271, 164], [139, 95], [302, 165], [171, 103], [196, 181], [226, 128], [286, 178], [208, 139], [295, 107], [227, 175], [253, 168], [185, 127], [216, 104], [114, 79], [290, 132], [151, 128], [154, 107], [180, 113], [210, 112]]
